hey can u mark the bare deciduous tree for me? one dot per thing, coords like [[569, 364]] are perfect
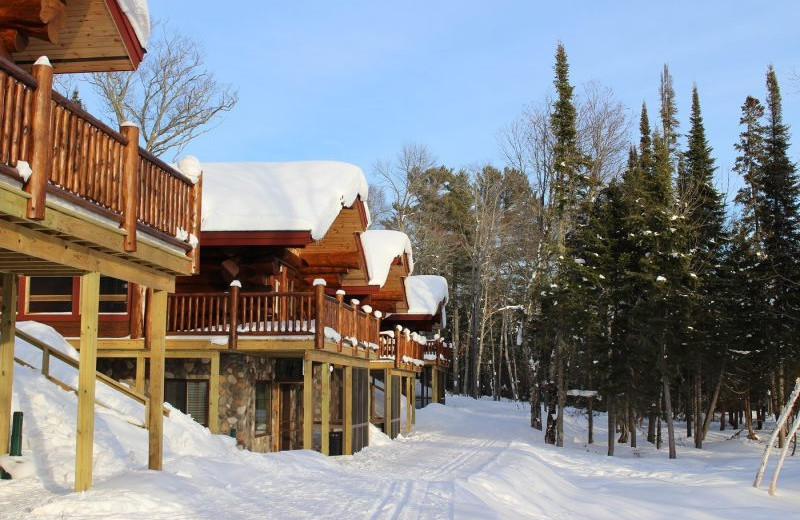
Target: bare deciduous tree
[[171, 97], [403, 179]]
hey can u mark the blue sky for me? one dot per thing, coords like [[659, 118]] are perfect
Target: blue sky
[[354, 80]]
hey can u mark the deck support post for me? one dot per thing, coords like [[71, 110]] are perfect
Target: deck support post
[[434, 385], [414, 400], [347, 434], [409, 404], [308, 403], [89, 308], [41, 149], [8, 319], [130, 184], [213, 395], [326, 408], [387, 402], [158, 331]]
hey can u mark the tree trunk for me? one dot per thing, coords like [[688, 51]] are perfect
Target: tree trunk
[[748, 417], [561, 383], [712, 405], [651, 425], [781, 401], [698, 395], [456, 343], [590, 412], [668, 412], [659, 442], [632, 425], [511, 373], [623, 423], [612, 422]]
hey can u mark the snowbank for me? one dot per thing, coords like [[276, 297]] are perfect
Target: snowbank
[[381, 247], [291, 196]]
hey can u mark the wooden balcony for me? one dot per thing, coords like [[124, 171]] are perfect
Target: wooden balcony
[[57, 159], [244, 317]]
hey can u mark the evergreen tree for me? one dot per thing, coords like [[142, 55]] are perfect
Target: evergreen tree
[[749, 164], [778, 215], [572, 186], [705, 213]]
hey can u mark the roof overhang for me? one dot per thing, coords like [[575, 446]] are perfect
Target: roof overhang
[[96, 37]]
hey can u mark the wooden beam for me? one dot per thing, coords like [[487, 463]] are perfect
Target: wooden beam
[[89, 304], [345, 358], [308, 404], [331, 259], [11, 41], [213, 395], [157, 328], [8, 318], [42, 19], [326, 408], [347, 437], [141, 364], [44, 246]]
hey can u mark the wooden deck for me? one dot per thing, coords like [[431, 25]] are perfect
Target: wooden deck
[[68, 176]]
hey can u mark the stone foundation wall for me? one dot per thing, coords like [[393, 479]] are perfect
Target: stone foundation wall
[[237, 397]]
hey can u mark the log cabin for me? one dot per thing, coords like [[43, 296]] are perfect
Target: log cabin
[[83, 210], [281, 303]]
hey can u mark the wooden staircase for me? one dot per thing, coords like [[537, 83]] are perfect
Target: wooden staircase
[[49, 352]]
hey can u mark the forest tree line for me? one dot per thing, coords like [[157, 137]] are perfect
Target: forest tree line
[[606, 272]]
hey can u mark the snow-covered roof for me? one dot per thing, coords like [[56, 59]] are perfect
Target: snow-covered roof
[[138, 15], [381, 247], [288, 196], [425, 292]]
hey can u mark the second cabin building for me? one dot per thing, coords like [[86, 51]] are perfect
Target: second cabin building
[[300, 326]]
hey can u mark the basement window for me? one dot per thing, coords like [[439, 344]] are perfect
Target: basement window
[[51, 295], [113, 295], [263, 408], [190, 396]]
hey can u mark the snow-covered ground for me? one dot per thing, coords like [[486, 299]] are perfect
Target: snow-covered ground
[[469, 459]]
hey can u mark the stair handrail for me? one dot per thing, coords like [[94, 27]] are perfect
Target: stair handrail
[[48, 351]]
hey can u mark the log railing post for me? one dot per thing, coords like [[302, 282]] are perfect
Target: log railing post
[[41, 149], [339, 317], [233, 319], [130, 183], [365, 329], [319, 302], [192, 169], [353, 322], [378, 316], [197, 204], [398, 341]]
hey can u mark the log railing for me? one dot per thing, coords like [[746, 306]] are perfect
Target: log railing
[[401, 347], [235, 313], [437, 351], [52, 145], [274, 313], [16, 92]]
